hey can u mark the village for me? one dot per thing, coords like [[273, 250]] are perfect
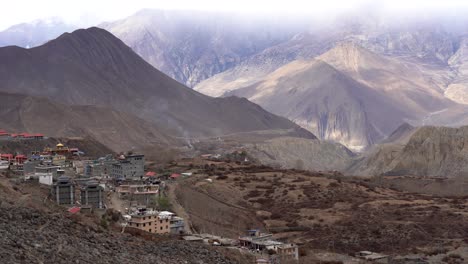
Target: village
[[123, 183]]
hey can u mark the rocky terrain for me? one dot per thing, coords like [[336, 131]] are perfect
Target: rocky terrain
[[429, 151], [34, 230], [302, 154], [342, 94], [89, 146], [325, 101], [322, 211], [116, 130], [93, 68]]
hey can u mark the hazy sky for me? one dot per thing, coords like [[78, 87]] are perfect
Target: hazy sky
[[88, 12]]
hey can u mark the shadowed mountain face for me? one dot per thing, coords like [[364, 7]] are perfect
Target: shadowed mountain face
[[349, 94], [321, 99], [35, 33], [119, 131], [92, 67]]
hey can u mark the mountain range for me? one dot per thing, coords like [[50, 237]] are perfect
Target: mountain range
[[34, 33], [191, 46], [91, 82], [336, 79]]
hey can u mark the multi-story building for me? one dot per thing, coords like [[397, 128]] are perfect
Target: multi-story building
[[142, 194], [129, 167], [93, 169], [92, 194], [150, 221], [63, 191], [177, 225]]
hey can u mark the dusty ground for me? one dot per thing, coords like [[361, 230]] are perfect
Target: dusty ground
[[322, 211], [35, 230]]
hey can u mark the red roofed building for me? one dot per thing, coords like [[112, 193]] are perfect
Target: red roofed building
[[175, 175], [150, 174], [74, 209], [38, 136], [8, 157], [20, 159]]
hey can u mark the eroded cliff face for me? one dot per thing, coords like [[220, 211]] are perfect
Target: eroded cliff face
[[302, 154], [430, 151]]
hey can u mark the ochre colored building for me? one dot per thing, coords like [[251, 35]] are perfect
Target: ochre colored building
[[150, 221]]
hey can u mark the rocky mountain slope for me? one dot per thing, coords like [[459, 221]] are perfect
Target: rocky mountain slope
[[92, 67], [89, 146], [429, 44], [430, 151], [317, 209], [327, 102], [377, 85], [35, 33], [117, 130], [33, 229], [191, 46], [301, 154]]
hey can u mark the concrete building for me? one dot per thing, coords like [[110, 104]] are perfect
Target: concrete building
[[63, 191], [177, 225], [142, 194], [92, 194], [46, 179], [93, 169], [287, 251], [47, 170], [150, 221], [255, 240], [129, 167]]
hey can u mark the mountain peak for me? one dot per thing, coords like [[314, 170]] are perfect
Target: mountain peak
[[349, 55]]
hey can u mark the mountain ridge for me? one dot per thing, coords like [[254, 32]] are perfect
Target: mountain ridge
[[93, 67]]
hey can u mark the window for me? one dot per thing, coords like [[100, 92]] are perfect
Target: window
[[150, 230], [144, 224], [161, 227], [138, 225], [144, 218], [167, 227], [160, 221]]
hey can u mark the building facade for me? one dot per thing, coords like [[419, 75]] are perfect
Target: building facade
[[177, 225], [142, 194], [150, 221], [63, 191], [129, 167], [92, 194]]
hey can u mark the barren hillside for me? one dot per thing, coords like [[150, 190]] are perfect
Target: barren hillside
[[320, 211], [35, 230], [92, 67], [429, 151]]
